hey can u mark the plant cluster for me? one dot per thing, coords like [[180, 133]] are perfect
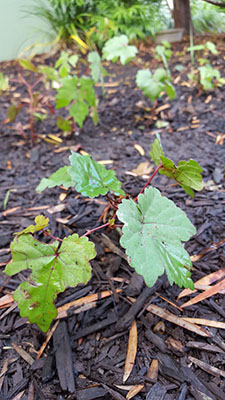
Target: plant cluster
[[96, 21], [77, 93], [207, 76], [206, 17], [153, 229]]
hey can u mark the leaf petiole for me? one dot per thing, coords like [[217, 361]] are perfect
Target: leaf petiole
[[95, 229], [149, 180]]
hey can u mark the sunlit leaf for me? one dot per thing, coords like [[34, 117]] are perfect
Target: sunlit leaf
[[40, 223]]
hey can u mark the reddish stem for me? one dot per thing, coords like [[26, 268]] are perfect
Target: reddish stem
[[149, 181], [95, 229], [112, 202], [46, 233]]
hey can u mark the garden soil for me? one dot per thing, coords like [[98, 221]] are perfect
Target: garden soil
[[83, 356]]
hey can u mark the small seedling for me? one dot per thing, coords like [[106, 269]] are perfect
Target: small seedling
[[164, 53], [153, 85], [153, 229]]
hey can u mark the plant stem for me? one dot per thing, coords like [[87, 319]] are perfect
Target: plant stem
[[149, 181], [51, 236], [112, 202], [95, 229]]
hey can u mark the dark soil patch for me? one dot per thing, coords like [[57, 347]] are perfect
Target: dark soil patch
[[86, 356]]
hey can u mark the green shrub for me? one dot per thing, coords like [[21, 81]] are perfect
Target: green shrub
[[206, 17]]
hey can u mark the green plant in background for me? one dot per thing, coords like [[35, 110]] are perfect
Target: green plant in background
[[73, 92], [206, 17], [152, 234], [207, 76], [118, 47], [163, 53], [153, 85], [96, 21], [65, 17], [38, 103], [210, 77]]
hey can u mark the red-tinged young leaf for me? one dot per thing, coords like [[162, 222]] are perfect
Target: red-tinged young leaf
[[152, 234], [40, 223], [54, 267]]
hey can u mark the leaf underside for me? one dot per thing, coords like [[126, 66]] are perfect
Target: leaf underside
[[53, 269], [152, 234]]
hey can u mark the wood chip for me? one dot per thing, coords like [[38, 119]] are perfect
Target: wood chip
[[131, 351], [176, 320], [207, 367], [26, 356]]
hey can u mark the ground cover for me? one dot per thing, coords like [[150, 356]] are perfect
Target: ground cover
[[88, 349]]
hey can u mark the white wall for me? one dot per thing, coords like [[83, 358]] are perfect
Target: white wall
[[17, 30]]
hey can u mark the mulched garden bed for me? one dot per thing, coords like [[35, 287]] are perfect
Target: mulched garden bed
[[85, 356]]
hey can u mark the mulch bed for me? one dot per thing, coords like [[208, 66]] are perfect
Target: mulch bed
[[85, 357]]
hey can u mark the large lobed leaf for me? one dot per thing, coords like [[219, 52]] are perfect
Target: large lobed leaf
[[87, 176], [53, 269], [92, 178], [152, 234], [118, 47], [187, 173]]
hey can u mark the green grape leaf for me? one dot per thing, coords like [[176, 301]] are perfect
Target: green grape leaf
[[118, 47], [54, 268], [64, 62], [92, 178], [60, 177], [67, 92], [87, 91], [40, 223], [64, 124], [156, 151], [49, 72], [152, 234], [170, 90], [79, 112], [152, 88], [188, 173]]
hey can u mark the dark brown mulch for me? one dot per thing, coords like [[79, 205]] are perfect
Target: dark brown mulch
[[85, 357]]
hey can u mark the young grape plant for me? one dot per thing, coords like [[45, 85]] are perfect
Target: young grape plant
[[153, 229]]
